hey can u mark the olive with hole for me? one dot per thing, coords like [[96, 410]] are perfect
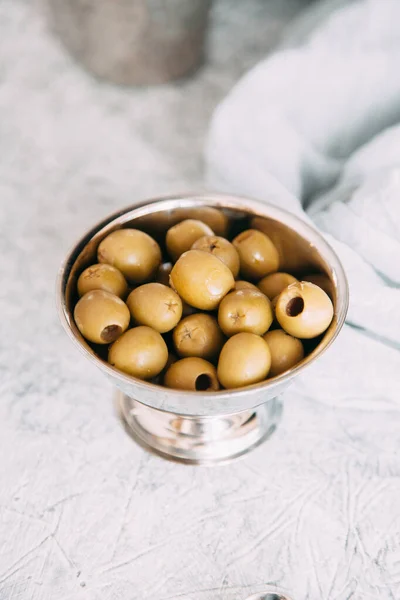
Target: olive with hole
[[201, 279], [272, 285], [258, 255], [213, 217], [245, 310], [222, 249], [198, 335], [102, 277], [286, 351], [304, 310], [155, 305], [140, 352], [245, 359], [131, 251], [101, 317], [193, 373], [163, 273], [182, 236], [245, 285]]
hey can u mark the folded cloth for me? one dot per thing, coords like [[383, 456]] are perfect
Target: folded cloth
[[302, 130], [313, 129]]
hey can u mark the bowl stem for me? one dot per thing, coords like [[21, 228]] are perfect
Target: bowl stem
[[198, 440]]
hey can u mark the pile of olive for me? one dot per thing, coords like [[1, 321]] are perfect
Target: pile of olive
[[210, 313]]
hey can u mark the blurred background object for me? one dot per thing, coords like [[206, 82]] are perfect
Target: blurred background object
[[133, 41]]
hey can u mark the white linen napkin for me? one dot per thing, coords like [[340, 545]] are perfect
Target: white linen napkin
[[302, 130]]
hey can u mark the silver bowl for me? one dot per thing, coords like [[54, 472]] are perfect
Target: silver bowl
[[215, 426]]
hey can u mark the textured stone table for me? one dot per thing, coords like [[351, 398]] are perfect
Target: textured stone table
[[84, 513]]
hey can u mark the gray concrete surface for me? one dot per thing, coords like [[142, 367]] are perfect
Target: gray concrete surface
[[84, 513]]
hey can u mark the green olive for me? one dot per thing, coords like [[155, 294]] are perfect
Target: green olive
[[182, 236], [244, 359], [201, 279], [102, 277], [272, 285], [258, 255], [245, 285], [192, 373], [101, 317], [245, 310], [163, 273], [304, 310], [294, 251], [222, 249], [140, 352], [198, 335], [155, 305], [322, 281], [133, 252], [286, 351], [213, 217]]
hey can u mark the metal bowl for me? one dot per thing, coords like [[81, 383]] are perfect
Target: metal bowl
[[213, 426]]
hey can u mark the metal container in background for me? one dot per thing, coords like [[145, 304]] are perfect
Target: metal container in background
[[133, 42]]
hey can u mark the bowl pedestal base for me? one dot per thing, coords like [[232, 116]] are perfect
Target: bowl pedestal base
[[198, 440]]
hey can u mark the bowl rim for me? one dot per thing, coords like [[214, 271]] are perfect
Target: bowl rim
[[256, 208]]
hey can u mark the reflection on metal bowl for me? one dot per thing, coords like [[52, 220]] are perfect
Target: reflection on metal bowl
[[194, 427]]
